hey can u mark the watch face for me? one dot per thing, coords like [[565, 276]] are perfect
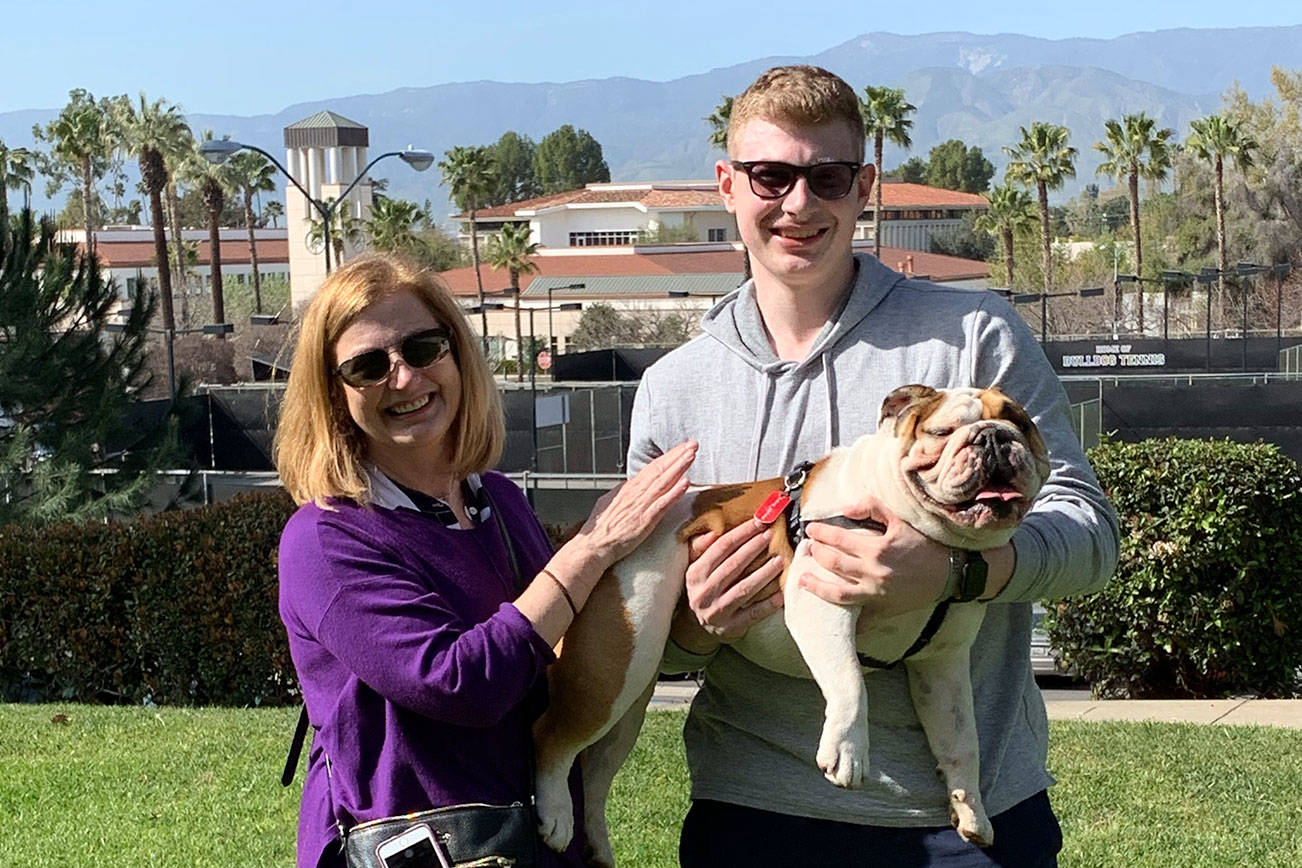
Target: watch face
[[975, 571]]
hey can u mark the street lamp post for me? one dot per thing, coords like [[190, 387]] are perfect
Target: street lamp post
[[1207, 277], [1281, 271], [533, 361], [169, 335], [687, 293], [1043, 299], [217, 151], [551, 332], [1169, 279]]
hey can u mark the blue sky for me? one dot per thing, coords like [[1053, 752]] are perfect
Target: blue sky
[[259, 57]]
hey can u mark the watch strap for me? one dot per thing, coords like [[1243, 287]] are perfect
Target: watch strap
[[968, 572]]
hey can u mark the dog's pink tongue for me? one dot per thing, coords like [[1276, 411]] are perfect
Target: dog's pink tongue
[[1006, 494]]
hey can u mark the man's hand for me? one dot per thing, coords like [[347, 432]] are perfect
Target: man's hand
[[721, 604], [887, 573]]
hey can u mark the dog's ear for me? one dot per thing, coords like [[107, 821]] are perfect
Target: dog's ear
[[899, 402], [901, 398]]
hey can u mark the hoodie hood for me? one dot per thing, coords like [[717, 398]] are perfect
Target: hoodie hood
[[736, 321], [784, 386]]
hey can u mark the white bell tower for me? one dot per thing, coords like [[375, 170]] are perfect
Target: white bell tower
[[324, 153]]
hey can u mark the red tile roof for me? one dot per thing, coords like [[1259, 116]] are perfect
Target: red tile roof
[[895, 194], [140, 254], [681, 199], [899, 194], [461, 281]]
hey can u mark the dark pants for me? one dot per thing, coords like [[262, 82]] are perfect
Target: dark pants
[[721, 835]]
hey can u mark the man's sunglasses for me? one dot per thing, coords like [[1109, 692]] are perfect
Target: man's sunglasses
[[772, 180], [419, 350]]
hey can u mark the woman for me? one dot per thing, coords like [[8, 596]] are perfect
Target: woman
[[419, 650]]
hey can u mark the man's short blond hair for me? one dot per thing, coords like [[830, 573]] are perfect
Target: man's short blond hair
[[797, 96], [319, 451]]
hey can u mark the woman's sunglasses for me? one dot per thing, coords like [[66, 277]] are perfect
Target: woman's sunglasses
[[772, 180], [419, 350]]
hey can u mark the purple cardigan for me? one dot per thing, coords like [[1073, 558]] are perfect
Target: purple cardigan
[[419, 675]]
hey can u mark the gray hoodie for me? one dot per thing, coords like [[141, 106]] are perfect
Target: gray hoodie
[[751, 734]]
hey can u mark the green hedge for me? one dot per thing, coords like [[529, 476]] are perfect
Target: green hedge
[[180, 608], [176, 608], [1207, 597]]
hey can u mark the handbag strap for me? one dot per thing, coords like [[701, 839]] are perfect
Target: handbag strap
[[500, 520], [295, 748]]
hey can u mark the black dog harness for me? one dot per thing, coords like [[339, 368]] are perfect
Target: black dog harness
[[787, 502]]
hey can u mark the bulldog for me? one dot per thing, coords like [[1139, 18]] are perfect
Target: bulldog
[[960, 465]]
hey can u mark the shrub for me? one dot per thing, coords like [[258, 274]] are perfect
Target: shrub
[[173, 608], [1206, 600]]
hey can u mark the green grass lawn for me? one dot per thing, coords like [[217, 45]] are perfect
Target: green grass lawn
[[89, 786]]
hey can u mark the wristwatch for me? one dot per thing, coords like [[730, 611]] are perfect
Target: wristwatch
[[967, 576]]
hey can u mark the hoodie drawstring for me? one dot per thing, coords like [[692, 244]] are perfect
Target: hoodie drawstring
[[761, 422], [829, 388]]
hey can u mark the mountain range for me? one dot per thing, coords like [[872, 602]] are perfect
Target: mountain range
[[978, 88]]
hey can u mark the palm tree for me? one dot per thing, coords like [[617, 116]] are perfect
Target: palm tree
[[394, 225], [470, 173], [175, 159], [1043, 160], [1011, 211], [81, 139], [252, 173], [213, 182], [885, 116], [510, 249], [16, 173], [1214, 138], [1132, 150], [148, 132], [271, 212], [718, 121]]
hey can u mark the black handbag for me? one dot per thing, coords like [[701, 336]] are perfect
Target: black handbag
[[468, 835]]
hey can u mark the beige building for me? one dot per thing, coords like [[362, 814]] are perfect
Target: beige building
[[325, 152]]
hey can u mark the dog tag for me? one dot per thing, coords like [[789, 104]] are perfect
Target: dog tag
[[772, 507]]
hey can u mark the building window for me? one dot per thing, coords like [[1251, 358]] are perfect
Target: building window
[[717, 235], [604, 239]]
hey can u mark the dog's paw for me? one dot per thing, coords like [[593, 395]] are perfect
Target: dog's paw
[[843, 756], [555, 815], [969, 818]]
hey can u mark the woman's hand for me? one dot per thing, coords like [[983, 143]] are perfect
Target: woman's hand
[[626, 515], [621, 519]]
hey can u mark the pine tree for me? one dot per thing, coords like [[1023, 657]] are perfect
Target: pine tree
[[72, 445]]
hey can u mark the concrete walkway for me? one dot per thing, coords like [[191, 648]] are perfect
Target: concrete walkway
[[1244, 712], [1077, 705]]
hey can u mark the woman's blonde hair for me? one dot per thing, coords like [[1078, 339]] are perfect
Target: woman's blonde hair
[[319, 450]]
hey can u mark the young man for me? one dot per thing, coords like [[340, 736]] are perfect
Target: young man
[[794, 362]]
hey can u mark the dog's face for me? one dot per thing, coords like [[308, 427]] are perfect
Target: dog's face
[[971, 458]]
